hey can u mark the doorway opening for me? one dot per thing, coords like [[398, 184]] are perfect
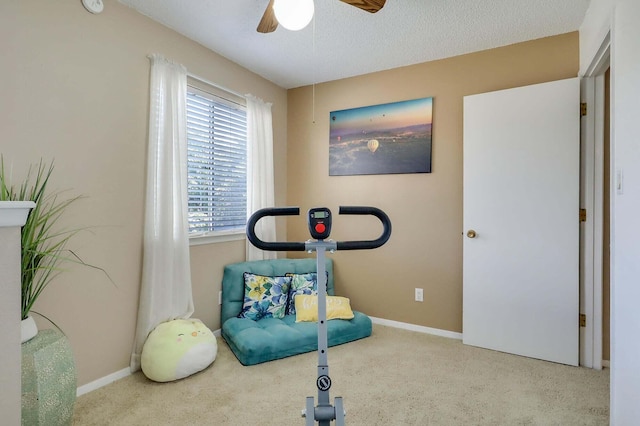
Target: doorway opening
[[594, 199]]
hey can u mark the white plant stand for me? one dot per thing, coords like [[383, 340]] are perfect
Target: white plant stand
[[13, 215]]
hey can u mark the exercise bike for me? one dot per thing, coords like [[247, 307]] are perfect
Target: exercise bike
[[319, 221]]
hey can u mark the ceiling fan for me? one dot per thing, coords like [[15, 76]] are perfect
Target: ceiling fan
[[269, 23]]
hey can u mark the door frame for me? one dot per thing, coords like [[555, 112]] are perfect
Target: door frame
[[591, 199]]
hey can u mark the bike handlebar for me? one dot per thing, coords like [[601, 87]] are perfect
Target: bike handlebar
[[366, 244], [301, 246], [272, 246]]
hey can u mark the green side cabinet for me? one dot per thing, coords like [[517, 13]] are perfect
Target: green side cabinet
[[49, 380]]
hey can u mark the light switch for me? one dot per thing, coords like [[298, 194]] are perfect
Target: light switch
[[619, 181]]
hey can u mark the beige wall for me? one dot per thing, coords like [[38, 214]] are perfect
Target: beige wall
[[78, 93], [425, 249]]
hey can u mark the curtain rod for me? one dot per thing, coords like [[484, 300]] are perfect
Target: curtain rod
[[217, 86], [153, 56]]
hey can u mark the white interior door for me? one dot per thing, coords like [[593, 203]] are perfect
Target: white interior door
[[521, 197]]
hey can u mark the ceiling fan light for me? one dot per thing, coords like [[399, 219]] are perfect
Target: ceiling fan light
[[294, 15]]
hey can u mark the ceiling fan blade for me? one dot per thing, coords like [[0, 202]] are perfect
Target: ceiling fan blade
[[268, 23], [369, 5]]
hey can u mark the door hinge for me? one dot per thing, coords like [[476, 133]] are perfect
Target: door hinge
[[583, 215], [583, 320], [583, 109]]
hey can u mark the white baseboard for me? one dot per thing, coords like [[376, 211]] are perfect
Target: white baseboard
[[418, 328], [606, 363], [96, 384]]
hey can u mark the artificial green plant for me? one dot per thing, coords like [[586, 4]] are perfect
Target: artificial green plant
[[43, 242]]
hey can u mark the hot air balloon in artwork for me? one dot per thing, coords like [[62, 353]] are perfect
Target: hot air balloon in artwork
[[373, 145]]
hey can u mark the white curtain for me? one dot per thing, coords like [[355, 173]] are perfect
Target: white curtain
[[260, 192], [165, 291]]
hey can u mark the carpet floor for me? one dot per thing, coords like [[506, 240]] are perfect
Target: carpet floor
[[394, 377]]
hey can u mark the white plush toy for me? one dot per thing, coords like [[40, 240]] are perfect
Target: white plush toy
[[177, 349]]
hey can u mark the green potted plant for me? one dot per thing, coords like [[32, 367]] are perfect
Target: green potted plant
[[48, 379], [44, 244]]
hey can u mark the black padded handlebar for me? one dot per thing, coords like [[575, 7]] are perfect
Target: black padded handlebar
[[300, 246], [272, 246], [367, 244]]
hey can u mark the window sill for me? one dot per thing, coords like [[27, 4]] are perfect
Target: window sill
[[215, 237]]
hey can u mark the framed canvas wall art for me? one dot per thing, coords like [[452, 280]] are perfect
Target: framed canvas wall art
[[381, 139]]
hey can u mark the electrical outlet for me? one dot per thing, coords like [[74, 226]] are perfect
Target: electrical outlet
[[419, 295], [220, 298]]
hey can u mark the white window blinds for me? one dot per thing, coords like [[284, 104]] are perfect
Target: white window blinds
[[217, 156]]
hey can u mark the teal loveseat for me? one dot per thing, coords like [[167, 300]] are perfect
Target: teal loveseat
[[267, 339]]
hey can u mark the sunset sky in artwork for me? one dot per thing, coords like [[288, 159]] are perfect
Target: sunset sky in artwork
[[381, 117]]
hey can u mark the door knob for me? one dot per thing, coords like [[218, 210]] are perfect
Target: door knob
[[471, 233]]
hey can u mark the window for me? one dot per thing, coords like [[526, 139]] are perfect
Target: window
[[217, 162]]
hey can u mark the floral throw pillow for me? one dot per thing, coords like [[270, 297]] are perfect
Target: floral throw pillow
[[301, 284], [264, 297]]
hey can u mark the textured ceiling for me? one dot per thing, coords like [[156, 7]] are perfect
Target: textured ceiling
[[344, 41]]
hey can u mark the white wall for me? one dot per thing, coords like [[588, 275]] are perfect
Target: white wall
[[593, 30], [622, 17]]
